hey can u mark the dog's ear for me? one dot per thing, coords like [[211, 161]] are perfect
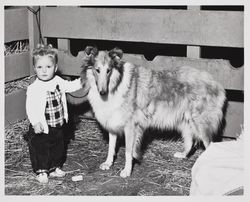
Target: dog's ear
[[116, 53], [91, 50], [88, 58], [116, 56]]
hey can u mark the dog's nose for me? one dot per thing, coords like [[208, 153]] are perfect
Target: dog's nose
[[103, 92]]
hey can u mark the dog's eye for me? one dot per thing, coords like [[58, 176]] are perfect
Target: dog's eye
[[108, 70], [97, 69]]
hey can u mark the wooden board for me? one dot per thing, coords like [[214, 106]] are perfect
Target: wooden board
[[234, 119], [15, 106], [188, 27], [17, 66], [222, 71], [230, 77], [15, 24]]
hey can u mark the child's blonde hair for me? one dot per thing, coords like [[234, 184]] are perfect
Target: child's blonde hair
[[42, 50]]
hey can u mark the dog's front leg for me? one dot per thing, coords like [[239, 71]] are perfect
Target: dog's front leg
[[111, 153], [129, 142]]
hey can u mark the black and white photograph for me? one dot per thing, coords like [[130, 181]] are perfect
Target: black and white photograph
[[124, 99]]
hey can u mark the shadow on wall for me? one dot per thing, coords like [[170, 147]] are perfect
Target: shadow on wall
[[150, 50]]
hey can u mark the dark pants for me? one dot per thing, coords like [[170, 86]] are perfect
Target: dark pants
[[46, 150]]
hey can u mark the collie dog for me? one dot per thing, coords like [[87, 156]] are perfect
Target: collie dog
[[127, 99]]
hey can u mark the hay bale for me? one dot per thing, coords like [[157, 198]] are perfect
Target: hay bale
[[16, 47]]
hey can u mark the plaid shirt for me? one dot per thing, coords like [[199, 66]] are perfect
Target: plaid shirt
[[54, 108]]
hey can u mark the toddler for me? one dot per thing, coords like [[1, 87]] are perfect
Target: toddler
[[46, 109]]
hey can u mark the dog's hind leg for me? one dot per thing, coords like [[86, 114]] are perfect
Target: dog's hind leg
[[111, 152], [187, 135], [206, 132]]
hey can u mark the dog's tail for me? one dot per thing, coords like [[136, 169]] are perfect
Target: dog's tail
[[215, 116], [222, 104]]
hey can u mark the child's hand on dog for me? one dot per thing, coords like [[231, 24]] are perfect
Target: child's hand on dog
[[38, 128]]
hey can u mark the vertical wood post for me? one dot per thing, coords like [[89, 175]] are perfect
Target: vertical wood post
[[33, 34], [193, 51], [63, 45]]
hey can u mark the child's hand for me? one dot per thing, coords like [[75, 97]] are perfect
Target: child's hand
[[38, 128]]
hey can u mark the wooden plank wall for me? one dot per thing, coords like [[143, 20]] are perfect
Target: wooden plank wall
[[15, 29], [19, 24]]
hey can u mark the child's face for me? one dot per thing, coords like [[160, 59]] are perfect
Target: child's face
[[45, 68]]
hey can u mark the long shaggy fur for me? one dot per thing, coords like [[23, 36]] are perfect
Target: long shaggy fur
[[128, 99]]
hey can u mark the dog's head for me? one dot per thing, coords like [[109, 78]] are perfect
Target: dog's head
[[102, 63]]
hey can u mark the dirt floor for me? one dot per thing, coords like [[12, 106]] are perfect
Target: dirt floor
[[158, 173]]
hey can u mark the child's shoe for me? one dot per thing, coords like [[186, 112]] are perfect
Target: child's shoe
[[42, 178], [57, 173]]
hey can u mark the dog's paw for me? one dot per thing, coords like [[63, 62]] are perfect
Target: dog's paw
[[125, 173], [105, 166], [180, 155]]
